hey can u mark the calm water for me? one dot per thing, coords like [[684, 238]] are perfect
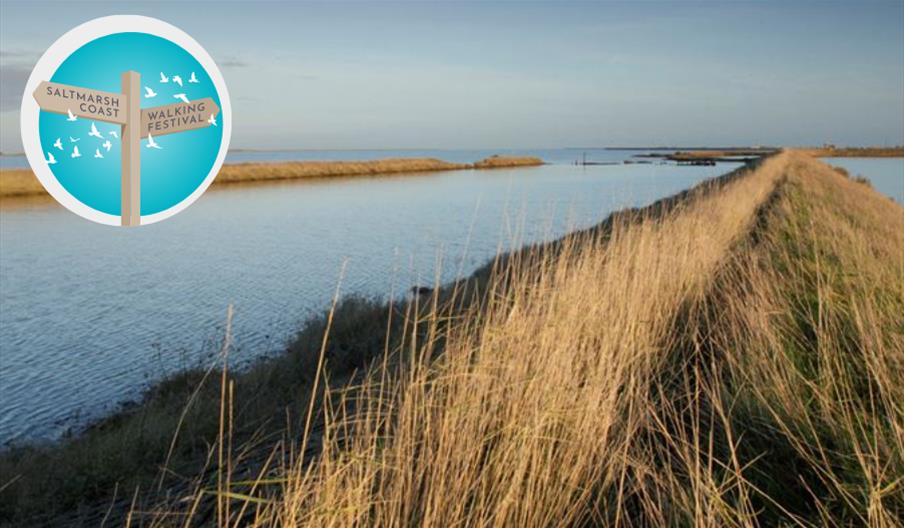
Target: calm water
[[886, 174], [558, 156], [90, 315]]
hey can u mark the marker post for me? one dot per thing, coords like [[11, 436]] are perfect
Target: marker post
[[131, 150]]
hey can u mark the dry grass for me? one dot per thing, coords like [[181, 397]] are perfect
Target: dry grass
[[22, 182], [856, 152], [532, 414], [812, 328], [19, 182], [737, 362], [245, 172], [498, 162]]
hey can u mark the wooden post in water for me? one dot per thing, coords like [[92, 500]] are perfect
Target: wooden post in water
[[131, 149]]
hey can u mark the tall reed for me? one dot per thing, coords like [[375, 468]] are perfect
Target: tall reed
[[531, 414]]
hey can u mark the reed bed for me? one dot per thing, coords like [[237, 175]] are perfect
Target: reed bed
[[533, 413], [22, 182], [736, 362], [501, 162], [734, 357], [19, 182], [810, 331]]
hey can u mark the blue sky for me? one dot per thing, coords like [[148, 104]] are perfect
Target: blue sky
[[522, 74]]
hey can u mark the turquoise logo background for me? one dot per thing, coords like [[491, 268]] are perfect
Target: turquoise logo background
[[169, 174]]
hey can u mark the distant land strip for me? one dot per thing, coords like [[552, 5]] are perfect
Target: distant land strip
[[15, 183], [827, 151], [856, 152]]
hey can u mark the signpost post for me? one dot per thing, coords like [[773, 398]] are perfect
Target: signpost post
[[131, 150], [125, 109]]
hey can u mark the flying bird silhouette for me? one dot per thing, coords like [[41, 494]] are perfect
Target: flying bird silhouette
[[153, 144], [177, 80], [148, 93], [163, 78], [94, 132], [71, 115], [97, 154], [212, 120], [114, 133], [75, 152], [58, 143], [193, 79], [50, 159], [73, 140], [182, 97], [107, 145]]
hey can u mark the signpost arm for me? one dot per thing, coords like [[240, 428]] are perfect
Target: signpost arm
[[131, 149]]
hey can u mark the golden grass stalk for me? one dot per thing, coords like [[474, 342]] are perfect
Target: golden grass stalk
[[530, 415], [736, 362]]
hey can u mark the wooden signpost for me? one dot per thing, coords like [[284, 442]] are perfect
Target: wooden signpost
[[125, 109]]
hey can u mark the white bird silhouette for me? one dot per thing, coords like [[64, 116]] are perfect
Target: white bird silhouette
[[97, 154], [212, 120], [73, 140], [181, 96], [163, 78], [50, 159], [107, 145], [58, 143], [75, 152], [71, 115], [177, 80], [114, 133], [193, 79], [153, 144], [148, 93], [94, 132]]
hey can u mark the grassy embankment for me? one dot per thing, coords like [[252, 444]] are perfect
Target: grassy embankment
[[734, 358], [856, 152], [21, 182], [738, 362]]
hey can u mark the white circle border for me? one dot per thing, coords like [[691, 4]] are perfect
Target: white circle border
[[65, 46]]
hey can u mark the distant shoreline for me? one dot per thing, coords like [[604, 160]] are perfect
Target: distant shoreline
[[21, 183], [705, 149], [855, 152]]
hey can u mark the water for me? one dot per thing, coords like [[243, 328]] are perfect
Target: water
[[557, 156], [886, 174], [90, 315]]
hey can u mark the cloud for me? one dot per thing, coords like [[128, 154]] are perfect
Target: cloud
[[13, 78], [19, 55], [233, 62], [15, 67]]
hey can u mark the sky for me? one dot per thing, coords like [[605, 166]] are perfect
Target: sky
[[521, 74]]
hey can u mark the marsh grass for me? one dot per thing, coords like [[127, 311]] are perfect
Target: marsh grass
[[735, 362], [19, 182], [532, 414], [22, 182], [138, 448], [734, 357]]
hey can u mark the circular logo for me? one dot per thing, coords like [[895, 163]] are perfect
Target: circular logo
[[126, 120]]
